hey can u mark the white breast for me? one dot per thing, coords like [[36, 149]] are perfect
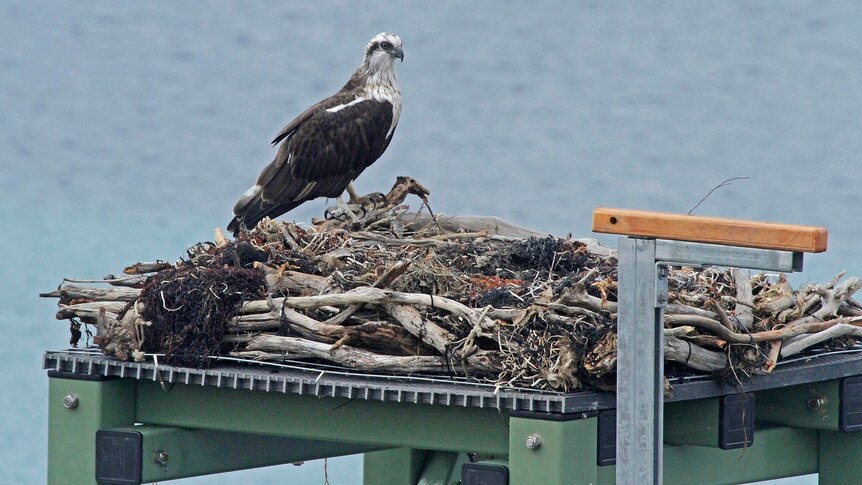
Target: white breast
[[390, 93]]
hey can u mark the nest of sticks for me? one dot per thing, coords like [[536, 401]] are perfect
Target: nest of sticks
[[377, 288]]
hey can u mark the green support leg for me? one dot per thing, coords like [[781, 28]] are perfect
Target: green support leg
[[839, 454], [401, 466], [72, 430], [442, 468], [567, 454]]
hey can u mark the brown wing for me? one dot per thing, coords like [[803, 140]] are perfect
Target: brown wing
[[321, 151]]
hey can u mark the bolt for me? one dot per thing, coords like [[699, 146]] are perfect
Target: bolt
[[815, 403], [533, 442], [70, 401], [161, 458], [662, 296], [663, 271]]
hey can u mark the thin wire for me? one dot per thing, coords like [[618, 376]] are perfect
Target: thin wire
[[723, 184]]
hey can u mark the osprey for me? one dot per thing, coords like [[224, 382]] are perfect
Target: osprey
[[327, 146]]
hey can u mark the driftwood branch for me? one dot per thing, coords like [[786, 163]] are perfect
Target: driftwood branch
[[355, 358], [694, 356], [744, 299], [81, 292]]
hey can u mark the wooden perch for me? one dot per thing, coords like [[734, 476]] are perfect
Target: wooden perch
[[714, 230]]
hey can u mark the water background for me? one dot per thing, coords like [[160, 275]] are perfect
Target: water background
[[128, 130]]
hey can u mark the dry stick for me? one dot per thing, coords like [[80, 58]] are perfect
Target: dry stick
[[79, 292], [776, 299], [279, 281], [680, 309], [722, 317], [386, 279], [744, 299], [397, 241], [684, 331], [603, 358], [831, 300], [568, 310], [381, 336], [693, 356], [376, 296], [739, 338], [130, 281], [429, 332], [89, 310], [774, 350], [840, 330], [577, 296], [355, 358], [142, 268]]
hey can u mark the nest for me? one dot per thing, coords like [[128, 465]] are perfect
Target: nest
[[377, 288]]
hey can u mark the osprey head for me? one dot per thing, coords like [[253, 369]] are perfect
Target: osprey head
[[381, 52]]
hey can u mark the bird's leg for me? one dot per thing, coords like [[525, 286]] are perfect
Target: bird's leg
[[351, 191], [368, 202], [344, 208]]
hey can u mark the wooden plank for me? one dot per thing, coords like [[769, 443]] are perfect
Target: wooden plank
[[713, 230]]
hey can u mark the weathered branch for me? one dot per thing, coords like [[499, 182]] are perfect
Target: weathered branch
[[693, 356], [429, 332], [80, 292], [831, 300], [839, 330], [744, 299], [355, 358]]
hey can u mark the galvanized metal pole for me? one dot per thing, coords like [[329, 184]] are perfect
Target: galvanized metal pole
[[640, 362]]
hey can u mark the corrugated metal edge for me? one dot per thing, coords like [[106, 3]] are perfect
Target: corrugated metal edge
[[319, 383]]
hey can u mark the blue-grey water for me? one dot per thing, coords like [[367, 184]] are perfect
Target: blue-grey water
[[127, 131]]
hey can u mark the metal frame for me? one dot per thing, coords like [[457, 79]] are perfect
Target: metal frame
[[424, 441], [643, 270], [419, 430]]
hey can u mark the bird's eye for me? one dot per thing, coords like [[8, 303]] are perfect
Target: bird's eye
[[385, 46]]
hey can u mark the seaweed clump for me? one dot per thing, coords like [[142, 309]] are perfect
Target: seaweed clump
[[189, 307]]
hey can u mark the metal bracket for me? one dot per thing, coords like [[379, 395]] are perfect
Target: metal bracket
[[643, 268]]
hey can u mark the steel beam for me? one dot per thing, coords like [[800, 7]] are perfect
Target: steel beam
[[385, 424], [699, 254], [776, 453]]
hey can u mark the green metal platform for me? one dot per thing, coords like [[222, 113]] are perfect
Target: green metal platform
[[157, 423]]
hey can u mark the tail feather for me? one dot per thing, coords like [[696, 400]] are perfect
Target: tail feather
[[254, 213]]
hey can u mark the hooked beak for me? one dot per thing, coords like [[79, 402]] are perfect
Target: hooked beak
[[398, 53]]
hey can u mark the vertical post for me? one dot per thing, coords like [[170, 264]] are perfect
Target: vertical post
[[393, 467], [640, 363]]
